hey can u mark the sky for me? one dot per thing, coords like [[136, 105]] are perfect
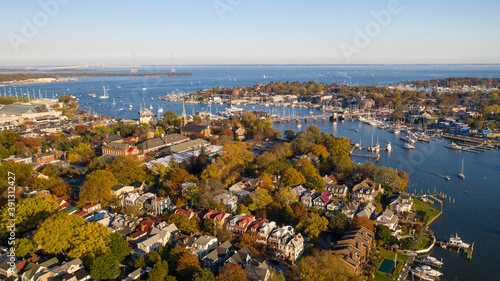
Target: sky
[[70, 32]]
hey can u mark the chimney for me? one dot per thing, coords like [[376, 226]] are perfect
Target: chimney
[[106, 136]]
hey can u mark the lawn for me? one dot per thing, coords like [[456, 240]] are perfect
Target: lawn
[[430, 211]]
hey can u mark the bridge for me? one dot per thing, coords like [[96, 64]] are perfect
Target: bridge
[[323, 117]]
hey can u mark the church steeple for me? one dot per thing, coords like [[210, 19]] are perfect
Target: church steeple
[[183, 114]]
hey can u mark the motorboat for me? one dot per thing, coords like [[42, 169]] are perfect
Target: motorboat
[[426, 270], [457, 241], [388, 147], [408, 146], [453, 145], [432, 260], [447, 178]]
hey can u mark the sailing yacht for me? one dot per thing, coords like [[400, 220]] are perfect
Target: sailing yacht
[[105, 93], [114, 101], [461, 174]]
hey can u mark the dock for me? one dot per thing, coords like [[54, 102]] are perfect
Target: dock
[[376, 156], [406, 269], [467, 251]]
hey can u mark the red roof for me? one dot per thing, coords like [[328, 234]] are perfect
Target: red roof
[[90, 206], [245, 221], [136, 234], [81, 213], [215, 215], [332, 177], [59, 200], [158, 199], [255, 226], [326, 196]]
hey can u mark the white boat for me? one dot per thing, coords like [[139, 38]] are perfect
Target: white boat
[[120, 109], [310, 112], [432, 260], [144, 89], [447, 178], [408, 146], [114, 101], [299, 126], [105, 93], [152, 99], [151, 107], [461, 174], [427, 270], [130, 107], [388, 147], [160, 110], [453, 145], [457, 241]]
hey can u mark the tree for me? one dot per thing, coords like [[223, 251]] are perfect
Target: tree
[[104, 267], [56, 233], [187, 265], [292, 177], [211, 172], [80, 153], [182, 176], [89, 242], [285, 196], [127, 170], [153, 258], [313, 224], [170, 118], [230, 272], [383, 233], [159, 271], [316, 182], [266, 182], [97, 188], [249, 242], [24, 246], [362, 221], [261, 199], [289, 135], [22, 172], [235, 158], [242, 209], [29, 212], [323, 266], [184, 224], [203, 275], [118, 246], [338, 222]]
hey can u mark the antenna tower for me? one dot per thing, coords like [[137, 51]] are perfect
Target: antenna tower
[[173, 65], [134, 67]]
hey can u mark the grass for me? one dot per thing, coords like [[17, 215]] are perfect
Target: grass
[[379, 276], [430, 211]]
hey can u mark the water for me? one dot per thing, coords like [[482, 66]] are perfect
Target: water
[[473, 216]]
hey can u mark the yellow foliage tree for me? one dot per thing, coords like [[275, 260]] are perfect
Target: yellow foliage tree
[[89, 241]]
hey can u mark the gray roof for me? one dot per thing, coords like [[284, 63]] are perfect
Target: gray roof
[[175, 138], [151, 143], [190, 128], [185, 146], [115, 138], [117, 145], [22, 109]]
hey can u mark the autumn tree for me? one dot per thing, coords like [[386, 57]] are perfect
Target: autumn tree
[[97, 188], [29, 212], [235, 158], [55, 234], [338, 222], [104, 267], [203, 275], [211, 172], [285, 196], [324, 266], [231, 272], [362, 221], [313, 224], [250, 242], [80, 153], [127, 170], [24, 246], [187, 265], [181, 175], [184, 224], [170, 118], [89, 241], [159, 271], [292, 177], [261, 199]]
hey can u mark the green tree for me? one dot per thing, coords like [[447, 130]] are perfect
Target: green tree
[[8, 138], [203, 275], [211, 172], [104, 267], [159, 271], [383, 233], [29, 212], [80, 153], [56, 233], [285, 196], [170, 118], [242, 209], [338, 222], [316, 182], [118, 246], [97, 188]]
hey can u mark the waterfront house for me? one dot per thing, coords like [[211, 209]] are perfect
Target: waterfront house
[[389, 219], [402, 203], [366, 190]]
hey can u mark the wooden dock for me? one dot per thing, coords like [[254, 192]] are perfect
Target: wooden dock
[[467, 251], [376, 156]]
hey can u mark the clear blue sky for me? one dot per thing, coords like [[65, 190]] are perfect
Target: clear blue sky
[[249, 32]]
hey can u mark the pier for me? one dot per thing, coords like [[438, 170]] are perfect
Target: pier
[[467, 250]]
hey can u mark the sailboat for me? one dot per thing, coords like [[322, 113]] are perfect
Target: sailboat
[[105, 93], [114, 101], [461, 174]]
